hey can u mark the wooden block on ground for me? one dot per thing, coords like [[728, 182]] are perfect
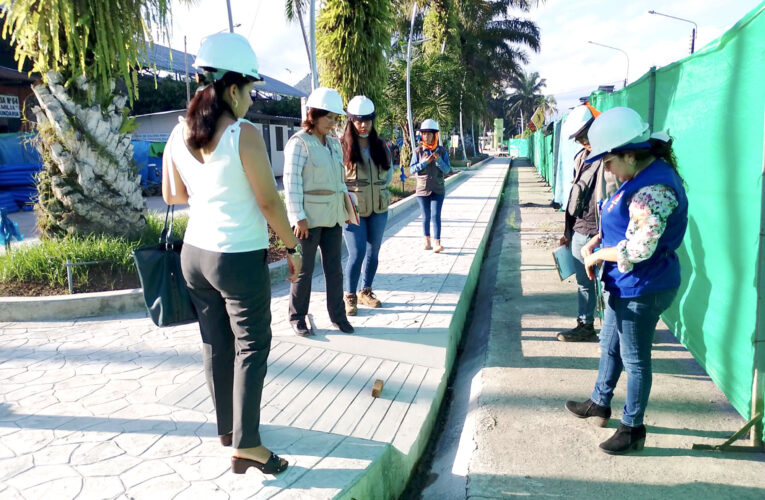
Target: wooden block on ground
[[377, 388]]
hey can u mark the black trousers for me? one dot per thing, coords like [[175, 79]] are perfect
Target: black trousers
[[232, 294], [329, 241]]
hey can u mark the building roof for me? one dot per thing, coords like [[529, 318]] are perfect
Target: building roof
[[167, 59]]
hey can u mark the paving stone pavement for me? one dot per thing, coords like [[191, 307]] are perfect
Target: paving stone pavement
[[117, 408]]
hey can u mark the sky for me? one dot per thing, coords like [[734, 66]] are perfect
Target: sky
[[571, 66]]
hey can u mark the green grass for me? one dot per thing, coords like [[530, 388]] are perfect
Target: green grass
[[45, 262]]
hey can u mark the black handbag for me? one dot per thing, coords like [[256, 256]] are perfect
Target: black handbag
[[164, 289]]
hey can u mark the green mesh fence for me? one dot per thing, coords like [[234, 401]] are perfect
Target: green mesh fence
[[712, 104]]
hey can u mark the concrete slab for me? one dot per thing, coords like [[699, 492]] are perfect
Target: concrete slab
[[117, 407], [520, 440]]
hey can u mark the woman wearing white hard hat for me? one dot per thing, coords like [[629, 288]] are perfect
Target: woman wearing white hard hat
[[315, 192], [642, 225], [217, 163], [368, 172], [429, 163]]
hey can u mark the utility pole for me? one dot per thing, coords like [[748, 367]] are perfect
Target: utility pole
[[408, 88], [314, 69], [186, 71], [230, 19], [626, 77], [693, 31]]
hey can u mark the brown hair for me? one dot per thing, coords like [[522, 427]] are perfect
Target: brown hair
[[207, 106], [352, 151], [312, 117]]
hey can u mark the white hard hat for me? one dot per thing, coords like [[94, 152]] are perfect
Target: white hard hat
[[361, 108], [327, 99], [614, 129], [429, 126], [224, 52], [576, 121]]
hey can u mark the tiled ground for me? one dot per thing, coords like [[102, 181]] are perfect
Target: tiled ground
[[116, 408]]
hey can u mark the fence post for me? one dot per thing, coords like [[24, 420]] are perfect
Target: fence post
[[651, 96], [758, 382]]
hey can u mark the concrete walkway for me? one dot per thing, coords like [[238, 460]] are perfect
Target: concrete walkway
[[116, 408], [518, 440]]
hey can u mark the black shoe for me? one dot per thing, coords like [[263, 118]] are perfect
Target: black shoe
[[300, 327], [588, 409], [344, 326], [624, 440], [582, 332]]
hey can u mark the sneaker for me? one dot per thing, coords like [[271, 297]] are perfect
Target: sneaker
[[350, 304], [300, 327], [368, 298], [588, 409], [580, 333], [438, 248]]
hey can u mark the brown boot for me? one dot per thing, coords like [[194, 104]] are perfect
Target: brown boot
[[367, 297], [350, 304]]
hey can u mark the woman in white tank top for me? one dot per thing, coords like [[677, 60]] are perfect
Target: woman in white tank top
[[216, 162]]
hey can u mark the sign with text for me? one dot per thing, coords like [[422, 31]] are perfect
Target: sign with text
[[9, 106]]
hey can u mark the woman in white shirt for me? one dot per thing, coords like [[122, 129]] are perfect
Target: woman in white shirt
[[216, 162]]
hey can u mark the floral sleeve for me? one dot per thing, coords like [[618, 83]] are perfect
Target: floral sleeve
[[650, 208]]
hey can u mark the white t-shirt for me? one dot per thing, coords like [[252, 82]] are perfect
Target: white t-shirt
[[223, 213]]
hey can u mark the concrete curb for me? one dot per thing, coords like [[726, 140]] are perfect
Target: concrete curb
[[87, 305], [388, 475]]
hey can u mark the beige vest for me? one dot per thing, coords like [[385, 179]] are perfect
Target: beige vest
[[323, 182], [368, 183]]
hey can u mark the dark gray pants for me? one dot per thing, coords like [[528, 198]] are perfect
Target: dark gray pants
[[232, 294], [329, 241]]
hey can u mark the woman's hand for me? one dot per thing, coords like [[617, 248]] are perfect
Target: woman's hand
[[432, 158], [301, 229], [590, 246], [563, 241], [294, 264], [591, 262]]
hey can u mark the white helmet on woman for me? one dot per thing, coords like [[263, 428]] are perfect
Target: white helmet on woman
[[327, 99], [577, 121], [361, 108], [614, 129], [429, 126], [227, 52]]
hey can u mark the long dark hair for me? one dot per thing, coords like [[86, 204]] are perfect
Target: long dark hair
[[352, 150], [659, 149], [206, 108]]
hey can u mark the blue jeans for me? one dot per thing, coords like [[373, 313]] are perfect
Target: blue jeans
[[625, 342], [433, 202], [586, 292], [363, 243]]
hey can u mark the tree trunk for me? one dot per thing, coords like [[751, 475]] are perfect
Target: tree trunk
[[90, 184]]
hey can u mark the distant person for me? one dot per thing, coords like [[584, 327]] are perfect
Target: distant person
[[314, 187], [591, 184], [642, 226], [368, 172], [217, 163], [429, 163]]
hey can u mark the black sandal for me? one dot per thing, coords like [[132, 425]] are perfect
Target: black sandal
[[274, 465]]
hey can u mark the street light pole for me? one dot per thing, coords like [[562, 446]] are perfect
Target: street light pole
[[408, 88], [620, 50], [230, 20], [693, 32]]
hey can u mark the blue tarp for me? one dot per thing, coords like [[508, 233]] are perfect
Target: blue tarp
[[19, 165]]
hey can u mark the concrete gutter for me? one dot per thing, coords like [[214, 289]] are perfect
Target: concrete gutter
[[86, 305]]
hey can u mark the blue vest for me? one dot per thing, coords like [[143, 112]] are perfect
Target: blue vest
[[661, 271]]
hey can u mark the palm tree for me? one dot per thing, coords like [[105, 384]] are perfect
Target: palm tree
[[353, 39], [526, 95], [89, 183]]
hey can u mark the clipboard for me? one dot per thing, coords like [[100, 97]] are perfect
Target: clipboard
[[350, 209], [564, 262]]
